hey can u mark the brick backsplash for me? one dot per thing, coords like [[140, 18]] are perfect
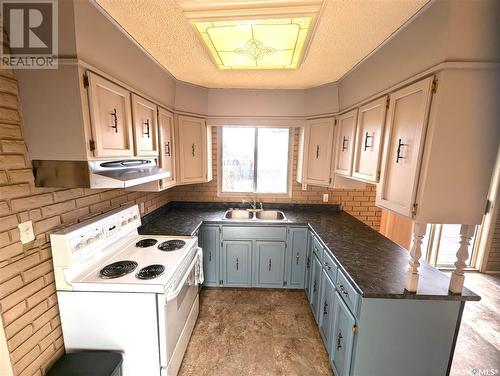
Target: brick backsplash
[[358, 202], [28, 302]]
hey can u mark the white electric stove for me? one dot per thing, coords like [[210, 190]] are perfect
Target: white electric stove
[[121, 291]]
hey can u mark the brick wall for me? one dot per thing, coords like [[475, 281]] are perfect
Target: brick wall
[[28, 304], [358, 202], [493, 264]]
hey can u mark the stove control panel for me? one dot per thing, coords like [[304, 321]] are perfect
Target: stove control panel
[[92, 236]]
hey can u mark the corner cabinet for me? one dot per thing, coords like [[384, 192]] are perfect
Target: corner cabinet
[[297, 257], [369, 137], [344, 146], [110, 118], [315, 152], [145, 126], [194, 150]]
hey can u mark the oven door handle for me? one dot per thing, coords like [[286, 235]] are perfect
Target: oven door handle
[[170, 295]]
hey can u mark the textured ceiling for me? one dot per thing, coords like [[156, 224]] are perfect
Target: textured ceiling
[[346, 33]]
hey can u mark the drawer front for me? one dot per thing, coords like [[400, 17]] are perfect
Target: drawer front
[[317, 249], [329, 266], [249, 233], [347, 292]]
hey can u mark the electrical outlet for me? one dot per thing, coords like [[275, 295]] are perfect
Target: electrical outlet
[[325, 197], [304, 187], [26, 232], [141, 207]]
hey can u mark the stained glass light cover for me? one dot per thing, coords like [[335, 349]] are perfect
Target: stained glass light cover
[[256, 44]]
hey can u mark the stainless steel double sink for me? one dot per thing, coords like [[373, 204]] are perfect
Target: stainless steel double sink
[[254, 215]]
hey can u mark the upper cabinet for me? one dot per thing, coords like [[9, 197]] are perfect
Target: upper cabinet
[[145, 126], [407, 119], [344, 145], [166, 145], [110, 117], [316, 152], [369, 134], [194, 150]]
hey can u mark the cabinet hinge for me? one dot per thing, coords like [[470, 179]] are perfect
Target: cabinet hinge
[[354, 328], [414, 209], [487, 207], [85, 81], [378, 174], [92, 145], [434, 85], [387, 102]]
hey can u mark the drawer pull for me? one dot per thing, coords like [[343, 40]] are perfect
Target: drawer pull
[[192, 150], [270, 264], [317, 151], [366, 142], [325, 306], [167, 149], [342, 290], [308, 263], [327, 266], [237, 263], [345, 140], [398, 152], [314, 286], [147, 133], [209, 256], [297, 259]]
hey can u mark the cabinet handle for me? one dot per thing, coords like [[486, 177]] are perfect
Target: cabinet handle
[[167, 149], [398, 153], [366, 142], [297, 259], [270, 264], [210, 256], [114, 120], [325, 306], [342, 290], [314, 286], [345, 140], [308, 263], [317, 151], [339, 343], [327, 266], [147, 133], [192, 149], [237, 263]]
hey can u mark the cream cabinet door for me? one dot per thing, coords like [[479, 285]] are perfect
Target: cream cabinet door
[[369, 134], [344, 149], [110, 117], [403, 147], [317, 156], [167, 154], [192, 142], [145, 126]]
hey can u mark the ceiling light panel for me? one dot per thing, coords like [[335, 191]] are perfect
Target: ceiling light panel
[[256, 44]]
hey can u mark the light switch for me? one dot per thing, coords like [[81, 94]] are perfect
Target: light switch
[[26, 232], [325, 197]]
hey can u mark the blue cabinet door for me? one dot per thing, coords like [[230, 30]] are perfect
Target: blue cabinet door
[[209, 240], [315, 286], [308, 277], [269, 264], [326, 308], [297, 251], [237, 263], [342, 338]]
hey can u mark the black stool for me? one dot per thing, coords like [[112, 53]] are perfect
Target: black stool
[[88, 363]]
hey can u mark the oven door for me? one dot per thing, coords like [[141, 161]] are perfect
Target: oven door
[[178, 304]]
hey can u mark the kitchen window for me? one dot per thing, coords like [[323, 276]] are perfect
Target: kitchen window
[[255, 160]]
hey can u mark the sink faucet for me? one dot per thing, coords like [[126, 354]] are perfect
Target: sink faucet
[[252, 203]]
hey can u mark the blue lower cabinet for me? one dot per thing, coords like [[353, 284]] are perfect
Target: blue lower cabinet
[[342, 339], [237, 263], [326, 308], [269, 264], [209, 241], [315, 287], [297, 254]]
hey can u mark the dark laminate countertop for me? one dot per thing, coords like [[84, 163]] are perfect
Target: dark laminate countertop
[[374, 264]]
